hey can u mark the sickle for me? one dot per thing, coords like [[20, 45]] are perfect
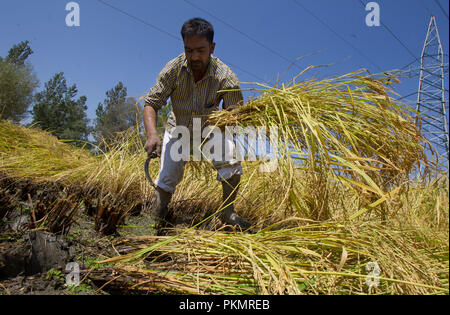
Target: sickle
[[149, 158]]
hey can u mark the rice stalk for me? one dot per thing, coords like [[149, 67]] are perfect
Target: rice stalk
[[302, 260]]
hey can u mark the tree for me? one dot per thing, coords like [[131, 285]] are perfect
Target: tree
[[117, 114], [17, 83], [19, 53], [57, 110]]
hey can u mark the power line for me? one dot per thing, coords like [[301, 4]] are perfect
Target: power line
[[398, 39], [338, 35], [170, 35], [395, 36], [242, 33], [139, 20], [406, 66], [442, 9]]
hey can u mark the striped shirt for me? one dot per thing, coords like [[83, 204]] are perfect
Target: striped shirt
[[193, 99]]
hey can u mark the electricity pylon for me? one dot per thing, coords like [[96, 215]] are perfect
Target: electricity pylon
[[431, 103]]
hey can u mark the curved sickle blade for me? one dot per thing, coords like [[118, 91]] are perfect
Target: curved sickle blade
[[150, 157]]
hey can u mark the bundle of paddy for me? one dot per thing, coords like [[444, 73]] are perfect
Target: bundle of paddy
[[410, 255], [110, 185], [348, 148], [351, 149], [39, 170], [325, 258], [346, 130], [27, 158]]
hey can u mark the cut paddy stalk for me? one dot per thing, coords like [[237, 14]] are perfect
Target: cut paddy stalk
[[293, 261], [341, 197]]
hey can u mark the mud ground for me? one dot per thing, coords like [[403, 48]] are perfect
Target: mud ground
[[38, 262]]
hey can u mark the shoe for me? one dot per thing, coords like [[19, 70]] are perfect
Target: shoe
[[163, 220], [162, 201], [228, 215]]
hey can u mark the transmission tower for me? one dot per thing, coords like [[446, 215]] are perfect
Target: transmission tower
[[431, 103]]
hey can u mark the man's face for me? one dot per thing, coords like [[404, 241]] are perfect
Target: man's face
[[198, 51]]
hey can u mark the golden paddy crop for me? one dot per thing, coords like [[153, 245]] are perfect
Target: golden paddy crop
[[351, 188]]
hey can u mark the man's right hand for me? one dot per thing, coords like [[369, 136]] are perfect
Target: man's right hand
[[153, 144]]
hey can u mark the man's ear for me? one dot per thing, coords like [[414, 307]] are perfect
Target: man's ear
[[212, 47]]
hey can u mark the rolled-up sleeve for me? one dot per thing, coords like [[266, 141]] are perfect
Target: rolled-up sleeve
[[165, 83], [232, 98]]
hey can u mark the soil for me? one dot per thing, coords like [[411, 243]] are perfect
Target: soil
[[35, 261]]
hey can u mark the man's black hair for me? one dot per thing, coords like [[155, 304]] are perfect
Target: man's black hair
[[198, 27]]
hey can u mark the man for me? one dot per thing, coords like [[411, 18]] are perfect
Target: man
[[192, 81]]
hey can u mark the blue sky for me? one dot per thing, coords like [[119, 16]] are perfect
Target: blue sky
[[257, 37]]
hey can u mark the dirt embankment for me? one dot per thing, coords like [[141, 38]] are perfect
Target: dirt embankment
[[25, 264], [34, 261]]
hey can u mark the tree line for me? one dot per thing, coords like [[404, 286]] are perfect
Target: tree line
[[58, 108]]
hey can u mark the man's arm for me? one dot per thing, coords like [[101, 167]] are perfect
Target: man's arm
[[157, 98], [153, 142]]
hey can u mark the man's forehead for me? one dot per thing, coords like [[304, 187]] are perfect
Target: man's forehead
[[196, 42]]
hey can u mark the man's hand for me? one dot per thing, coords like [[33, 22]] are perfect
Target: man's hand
[[153, 144]]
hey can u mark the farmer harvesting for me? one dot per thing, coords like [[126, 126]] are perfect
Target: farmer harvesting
[[193, 81]]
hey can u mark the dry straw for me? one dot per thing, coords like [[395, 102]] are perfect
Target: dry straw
[[352, 150], [341, 197], [346, 129]]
